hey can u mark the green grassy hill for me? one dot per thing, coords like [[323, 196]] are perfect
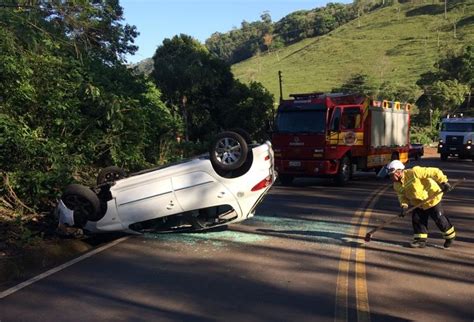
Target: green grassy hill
[[396, 43]]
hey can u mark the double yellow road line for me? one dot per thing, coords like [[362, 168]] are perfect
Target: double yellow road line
[[359, 222]]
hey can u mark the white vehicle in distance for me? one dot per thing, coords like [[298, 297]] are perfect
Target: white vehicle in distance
[[456, 138], [211, 190]]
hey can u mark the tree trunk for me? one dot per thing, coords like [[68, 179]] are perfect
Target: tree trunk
[[185, 118]]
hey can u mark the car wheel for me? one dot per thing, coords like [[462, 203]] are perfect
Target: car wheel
[[228, 152], [83, 202], [344, 172], [244, 134], [110, 174]]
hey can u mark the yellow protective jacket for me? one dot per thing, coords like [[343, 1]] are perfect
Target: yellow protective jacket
[[419, 184]]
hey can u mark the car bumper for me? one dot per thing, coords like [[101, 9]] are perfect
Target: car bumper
[[464, 150], [66, 215], [110, 222]]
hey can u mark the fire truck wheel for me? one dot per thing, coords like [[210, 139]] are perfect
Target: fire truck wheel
[[344, 173], [286, 180]]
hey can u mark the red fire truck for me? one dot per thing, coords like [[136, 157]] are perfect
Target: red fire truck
[[333, 135]]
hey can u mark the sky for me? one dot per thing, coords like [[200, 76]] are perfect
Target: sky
[[159, 19]]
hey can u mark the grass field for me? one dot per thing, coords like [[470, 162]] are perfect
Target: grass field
[[396, 43]]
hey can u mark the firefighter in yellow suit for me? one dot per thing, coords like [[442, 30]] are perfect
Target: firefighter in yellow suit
[[412, 187]]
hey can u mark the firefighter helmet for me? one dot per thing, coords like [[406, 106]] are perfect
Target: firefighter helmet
[[394, 166]]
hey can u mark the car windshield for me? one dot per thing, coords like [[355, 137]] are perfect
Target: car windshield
[[301, 121], [457, 127]]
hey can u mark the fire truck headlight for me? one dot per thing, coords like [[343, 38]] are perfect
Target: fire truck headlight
[[469, 142], [440, 145], [440, 141]]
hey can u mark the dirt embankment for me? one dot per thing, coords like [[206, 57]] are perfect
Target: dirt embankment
[[37, 258], [431, 152]]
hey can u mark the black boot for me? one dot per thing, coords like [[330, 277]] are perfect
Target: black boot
[[418, 243], [448, 242]]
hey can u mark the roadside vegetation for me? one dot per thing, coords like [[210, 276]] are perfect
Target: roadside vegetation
[[70, 105]]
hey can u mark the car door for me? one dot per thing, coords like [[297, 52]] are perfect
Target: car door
[[146, 200], [198, 190]]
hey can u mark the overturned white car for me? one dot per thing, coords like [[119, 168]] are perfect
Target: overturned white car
[[212, 190]]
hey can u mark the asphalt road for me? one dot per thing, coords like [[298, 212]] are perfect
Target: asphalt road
[[301, 258]]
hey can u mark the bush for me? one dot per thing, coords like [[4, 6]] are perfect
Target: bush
[[423, 135]]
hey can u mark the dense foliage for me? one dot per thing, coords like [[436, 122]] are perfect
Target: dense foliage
[[259, 36], [451, 83], [68, 104], [202, 89]]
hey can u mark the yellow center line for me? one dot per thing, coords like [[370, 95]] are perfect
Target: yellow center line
[[342, 284], [362, 298], [362, 295]]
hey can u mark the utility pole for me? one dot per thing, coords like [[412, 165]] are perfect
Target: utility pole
[[445, 9], [279, 81]]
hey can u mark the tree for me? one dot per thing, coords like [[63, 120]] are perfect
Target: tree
[[94, 27], [67, 102], [183, 68], [254, 37], [398, 92], [453, 77], [447, 95], [247, 106], [214, 100], [357, 83]]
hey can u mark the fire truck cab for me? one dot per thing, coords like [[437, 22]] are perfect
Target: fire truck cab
[[332, 135]]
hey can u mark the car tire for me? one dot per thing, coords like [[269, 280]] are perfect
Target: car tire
[[243, 133], [344, 173], [83, 202], [228, 152], [110, 174]]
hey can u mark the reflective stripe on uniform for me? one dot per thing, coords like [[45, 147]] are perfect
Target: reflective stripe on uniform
[[420, 236], [450, 233]]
